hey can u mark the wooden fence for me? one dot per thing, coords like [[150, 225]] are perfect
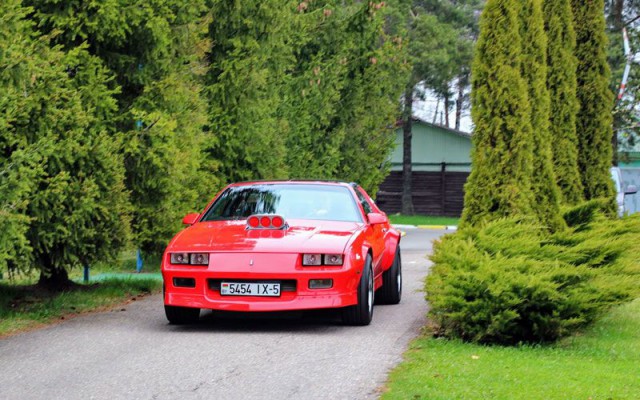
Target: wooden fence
[[438, 193]]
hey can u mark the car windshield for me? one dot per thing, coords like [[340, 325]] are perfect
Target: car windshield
[[292, 201]]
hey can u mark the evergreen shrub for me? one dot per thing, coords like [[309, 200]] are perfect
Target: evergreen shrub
[[509, 281]]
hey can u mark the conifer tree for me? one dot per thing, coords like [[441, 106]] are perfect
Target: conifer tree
[[248, 62], [500, 181], [562, 85], [375, 80], [340, 100], [534, 70], [20, 161], [75, 203], [314, 90], [594, 121], [156, 51]]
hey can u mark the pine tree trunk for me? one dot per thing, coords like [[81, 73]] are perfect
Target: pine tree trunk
[[54, 279], [460, 101], [617, 11], [447, 105], [435, 114], [407, 192]]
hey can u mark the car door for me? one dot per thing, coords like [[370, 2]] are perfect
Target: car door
[[375, 232]]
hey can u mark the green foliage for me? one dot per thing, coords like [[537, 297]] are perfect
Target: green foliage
[[73, 203], [500, 181], [509, 281], [156, 51], [433, 46], [249, 57], [534, 70], [20, 165], [562, 85], [315, 88], [594, 121], [375, 79], [312, 95], [441, 41], [583, 214], [80, 209]]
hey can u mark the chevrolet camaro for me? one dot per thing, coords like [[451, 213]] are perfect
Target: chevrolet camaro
[[280, 246]]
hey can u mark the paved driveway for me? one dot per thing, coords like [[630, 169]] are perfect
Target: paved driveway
[[134, 354]]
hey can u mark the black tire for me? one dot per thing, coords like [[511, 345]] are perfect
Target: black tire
[[362, 313], [182, 315], [391, 290]]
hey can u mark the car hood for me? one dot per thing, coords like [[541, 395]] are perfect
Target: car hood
[[308, 236]]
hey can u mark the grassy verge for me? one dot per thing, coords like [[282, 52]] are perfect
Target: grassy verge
[[126, 263], [601, 363], [422, 220], [27, 307]]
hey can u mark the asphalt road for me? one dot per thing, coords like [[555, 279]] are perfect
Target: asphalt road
[[132, 353]]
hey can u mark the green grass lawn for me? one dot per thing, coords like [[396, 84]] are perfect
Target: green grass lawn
[[126, 263], [601, 363], [422, 220], [24, 307]]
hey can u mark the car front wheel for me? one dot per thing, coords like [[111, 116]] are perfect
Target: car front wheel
[[391, 290], [362, 313]]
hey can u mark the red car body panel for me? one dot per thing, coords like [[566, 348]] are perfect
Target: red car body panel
[[238, 254]]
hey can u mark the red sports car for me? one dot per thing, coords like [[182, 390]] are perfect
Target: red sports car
[[284, 245]]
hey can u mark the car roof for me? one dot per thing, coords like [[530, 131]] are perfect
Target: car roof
[[295, 182]]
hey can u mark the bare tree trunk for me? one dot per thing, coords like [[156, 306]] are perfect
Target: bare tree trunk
[[617, 14], [435, 114], [447, 106], [462, 83], [407, 175]]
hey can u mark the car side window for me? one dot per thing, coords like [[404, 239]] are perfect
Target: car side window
[[363, 201]]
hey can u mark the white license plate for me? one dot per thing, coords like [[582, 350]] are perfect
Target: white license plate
[[250, 289]]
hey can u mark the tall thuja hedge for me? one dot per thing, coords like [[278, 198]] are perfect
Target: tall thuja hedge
[[562, 85], [534, 70], [500, 181], [249, 59], [168, 172], [75, 201], [313, 92], [156, 51], [594, 121], [341, 96], [376, 77]]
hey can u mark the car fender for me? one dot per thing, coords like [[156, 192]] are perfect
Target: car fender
[[392, 241], [358, 247]]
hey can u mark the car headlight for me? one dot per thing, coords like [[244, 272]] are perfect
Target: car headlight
[[179, 258], [312, 259], [189, 258], [333, 259], [199, 259], [315, 260]]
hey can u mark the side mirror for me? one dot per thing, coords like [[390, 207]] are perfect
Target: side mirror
[[377, 218], [190, 219], [631, 189]]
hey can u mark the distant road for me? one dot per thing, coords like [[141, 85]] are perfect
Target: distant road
[[135, 354]]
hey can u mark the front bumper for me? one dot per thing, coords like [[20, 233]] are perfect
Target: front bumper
[[251, 267]]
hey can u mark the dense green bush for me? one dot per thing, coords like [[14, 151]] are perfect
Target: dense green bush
[[509, 281]]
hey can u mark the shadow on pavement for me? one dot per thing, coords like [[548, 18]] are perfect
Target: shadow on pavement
[[315, 321]]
